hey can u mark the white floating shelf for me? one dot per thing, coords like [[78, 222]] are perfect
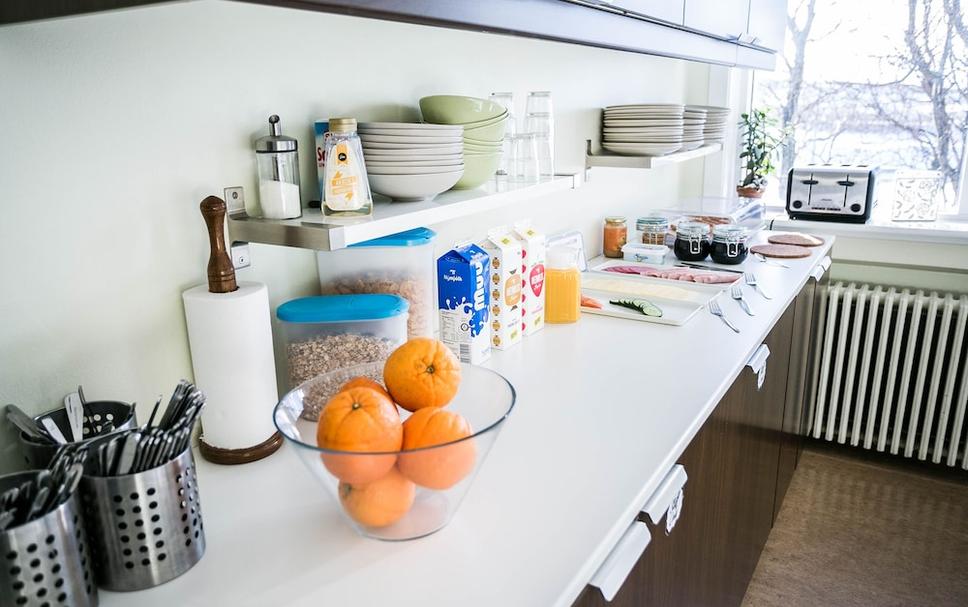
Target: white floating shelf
[[314, 231], [606, 159]]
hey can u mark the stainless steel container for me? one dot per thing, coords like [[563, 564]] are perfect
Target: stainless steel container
[[46, 561], [145, 528], [120, 415]]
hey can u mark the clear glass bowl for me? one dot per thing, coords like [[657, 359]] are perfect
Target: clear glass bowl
[[484, 399]]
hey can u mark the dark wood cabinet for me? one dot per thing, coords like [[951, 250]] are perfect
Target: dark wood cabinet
[[734, 466]]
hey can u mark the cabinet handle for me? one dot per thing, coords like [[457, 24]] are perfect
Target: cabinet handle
[[757, 363], [663, 497], [619, 562]]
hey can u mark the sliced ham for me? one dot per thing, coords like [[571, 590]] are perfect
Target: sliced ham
[[684, 274]]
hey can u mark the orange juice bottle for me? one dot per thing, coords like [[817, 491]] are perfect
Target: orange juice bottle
[[562, 285]]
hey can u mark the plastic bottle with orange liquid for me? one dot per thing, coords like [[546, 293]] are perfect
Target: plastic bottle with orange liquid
[[562, 286]]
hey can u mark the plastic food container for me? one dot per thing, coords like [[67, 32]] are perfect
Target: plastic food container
[[400, 264], [692, 241], [652, 230], [729, 244], [747, 212], [331, 332], [646, 253]]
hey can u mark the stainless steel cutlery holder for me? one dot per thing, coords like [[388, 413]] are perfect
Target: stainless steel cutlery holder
[[146, 528], [98, 419], [46, 561]]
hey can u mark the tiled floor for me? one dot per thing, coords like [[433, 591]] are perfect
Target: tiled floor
[[853, 533]]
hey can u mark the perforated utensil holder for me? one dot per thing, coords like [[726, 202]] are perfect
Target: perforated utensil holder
[[145, 528], [46, 561], [120, 415]]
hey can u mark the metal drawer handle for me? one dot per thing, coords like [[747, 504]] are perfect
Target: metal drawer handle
[[619, 562], [665, 495], [757, 363]]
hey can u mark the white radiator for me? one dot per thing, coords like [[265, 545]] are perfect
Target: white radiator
[[890, 372]]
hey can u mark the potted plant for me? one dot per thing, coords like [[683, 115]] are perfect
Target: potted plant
[[760, 144]]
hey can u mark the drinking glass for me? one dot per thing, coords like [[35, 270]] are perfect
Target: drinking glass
[[507, 100], [542, 125], [539, 102], [523, 161]]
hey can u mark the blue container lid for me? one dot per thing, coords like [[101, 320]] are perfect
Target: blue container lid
[[410, 238], [342, 308]]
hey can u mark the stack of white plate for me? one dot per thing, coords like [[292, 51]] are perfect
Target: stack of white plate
[[717, 121], [652, 129], [409, 161]]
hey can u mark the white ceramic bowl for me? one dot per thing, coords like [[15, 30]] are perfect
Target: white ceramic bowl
[[409, 188], [399, 170], [411, 133], [423, 126], [426, 158], [407, 140], [410, 149], [455, 162]]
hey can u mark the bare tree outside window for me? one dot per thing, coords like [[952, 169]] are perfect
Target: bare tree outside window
[[874, 82]]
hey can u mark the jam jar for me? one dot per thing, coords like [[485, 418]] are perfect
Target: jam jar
[[615, 236], [692, 241], [729, 244], [652, 229]]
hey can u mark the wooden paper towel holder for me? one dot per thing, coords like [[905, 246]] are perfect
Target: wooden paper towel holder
[[221, 279]]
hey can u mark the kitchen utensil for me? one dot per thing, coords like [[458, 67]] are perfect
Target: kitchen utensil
[[701, 266], [770, 262], [101, 418], [154, 411], [59, 572], [146, 527], [484, 398], [716, 310], [53, 430], [736, 291], [27, 425], [750, 279], [75, 416], [843, 193]]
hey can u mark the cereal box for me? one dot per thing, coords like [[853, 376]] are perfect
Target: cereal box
[[505, 253], [532, 275], [463, 301]]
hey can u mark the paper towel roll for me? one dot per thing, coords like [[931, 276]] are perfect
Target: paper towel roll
[[231, 341]]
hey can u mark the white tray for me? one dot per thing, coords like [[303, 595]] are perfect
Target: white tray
[[601, 262], [679, 302]]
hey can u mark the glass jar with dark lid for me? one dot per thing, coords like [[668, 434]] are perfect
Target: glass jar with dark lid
[[729, 244], [692, 241], [652, 229]]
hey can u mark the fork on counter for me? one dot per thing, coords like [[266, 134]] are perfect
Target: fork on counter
[[750, 279], [716, 310], [770, 262], [737, 292]]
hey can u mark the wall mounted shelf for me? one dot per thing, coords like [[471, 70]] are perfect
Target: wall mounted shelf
[[605, 159], [314, 231]]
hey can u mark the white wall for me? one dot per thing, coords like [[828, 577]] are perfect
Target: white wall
[[116, 125]]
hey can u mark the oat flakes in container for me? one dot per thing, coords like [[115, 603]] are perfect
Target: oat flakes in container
[[330, 332], [400, 264]]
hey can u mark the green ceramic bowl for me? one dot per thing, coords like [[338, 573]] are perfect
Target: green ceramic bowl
[[477, 170], [456, 109], [482, 147]]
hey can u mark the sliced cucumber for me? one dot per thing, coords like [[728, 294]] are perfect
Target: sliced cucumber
[[644, 306]]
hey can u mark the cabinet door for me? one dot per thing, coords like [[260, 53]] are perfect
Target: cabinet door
[[667, 10], [767, 23], [791, 439], [724, 18]]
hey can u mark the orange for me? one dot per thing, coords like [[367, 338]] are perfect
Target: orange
[[361, 420], [365, 382], [422, 373], [379, 503], [440, 467]]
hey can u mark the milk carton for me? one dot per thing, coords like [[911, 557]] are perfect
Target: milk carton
[[532, 275], [505, 253], [463, 301]]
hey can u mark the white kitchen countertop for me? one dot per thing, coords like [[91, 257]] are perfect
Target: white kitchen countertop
[[605, 408]]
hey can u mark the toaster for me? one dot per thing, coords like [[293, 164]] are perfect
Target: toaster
[[829, 192]]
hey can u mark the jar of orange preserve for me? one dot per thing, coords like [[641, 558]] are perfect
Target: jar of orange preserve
[[615, 235]]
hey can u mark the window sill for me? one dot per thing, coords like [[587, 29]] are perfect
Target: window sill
[[942, 231]]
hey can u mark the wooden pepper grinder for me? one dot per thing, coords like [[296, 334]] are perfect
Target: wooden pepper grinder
[[230, 336]]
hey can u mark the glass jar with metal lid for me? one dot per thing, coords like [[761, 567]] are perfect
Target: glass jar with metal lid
[[692, 241], [652, 229], [729, 244], [614, 236]]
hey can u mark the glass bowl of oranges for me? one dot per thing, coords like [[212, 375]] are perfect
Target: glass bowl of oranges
[[398, 443]]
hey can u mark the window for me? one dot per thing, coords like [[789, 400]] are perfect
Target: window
[[882, 83]]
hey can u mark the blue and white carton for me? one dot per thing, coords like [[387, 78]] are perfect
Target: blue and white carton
[[463, 300]]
